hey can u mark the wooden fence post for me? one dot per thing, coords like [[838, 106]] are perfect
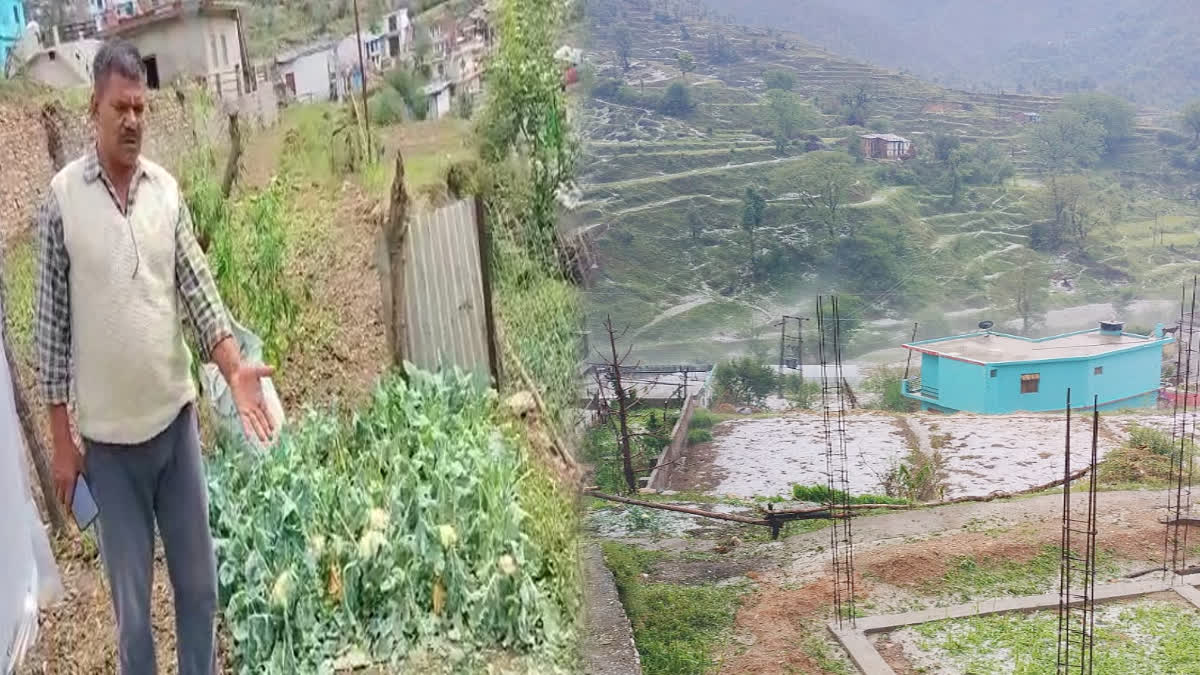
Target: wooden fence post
[[395, 238], [485, 275]]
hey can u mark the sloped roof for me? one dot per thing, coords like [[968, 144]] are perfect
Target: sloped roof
[[893, 138]]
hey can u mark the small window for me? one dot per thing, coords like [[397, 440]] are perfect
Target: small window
[[213, 41], [1098, 371], [1029, 383], [993, 373], [17, 14], [224, 51]]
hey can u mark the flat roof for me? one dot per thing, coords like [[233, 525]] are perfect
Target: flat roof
[[989, 347], [893, 138]]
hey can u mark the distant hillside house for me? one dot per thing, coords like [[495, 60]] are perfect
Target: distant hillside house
[[63, 65], [309, 74], [197, 40], [395, 40], [887, 146], [995, 373], [12, 27]]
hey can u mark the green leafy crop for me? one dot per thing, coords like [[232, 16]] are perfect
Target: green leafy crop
[[416, 522]]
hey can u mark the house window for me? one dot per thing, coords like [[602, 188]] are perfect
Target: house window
[[1098, 371], [224, 51], [391, 24], [1029, 383], [213, 41], [993, 373], [17, 14]]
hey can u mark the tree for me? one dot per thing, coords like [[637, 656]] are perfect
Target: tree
[[779, 79], [624, 41], [1115, 115], [856, 105], [1066, 140], [677, 102], [826, 179], [790, 115], [944, 144], [753, 209], [687, 63], [1023, 290], [1191, 119], [694, 221], [743, 381], [1074, 207]]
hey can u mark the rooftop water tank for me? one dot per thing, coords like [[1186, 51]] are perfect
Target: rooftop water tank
[[1114, 328]]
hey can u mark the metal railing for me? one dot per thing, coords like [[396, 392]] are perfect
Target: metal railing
[[916, 386]]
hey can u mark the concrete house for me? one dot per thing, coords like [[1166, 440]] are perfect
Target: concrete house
[[995, 373], [193, 39], [308, 74], [887, 146], [64, 65], [395, 40], [12, 27]]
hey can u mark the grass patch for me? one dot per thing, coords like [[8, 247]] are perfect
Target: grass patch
[[702, 418], [1145, 636], [1144, 459], [697, 436], [970, 577], [821, 494], [678, 629], [19, 269]]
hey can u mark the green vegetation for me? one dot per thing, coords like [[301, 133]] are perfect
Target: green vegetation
[[415, 522], [678, 629], [886, 383], [19, 266], [247, 245], [822, 494], [1129, 638], [402, 98], [651, 432], [743, 381], [1143, 459], [971, 577]]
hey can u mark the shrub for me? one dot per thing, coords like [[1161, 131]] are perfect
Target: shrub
[[743, 381], [887, 382], [702, 419], [696, 436], [821, 494], [779, 79], [677, 102], [388, 107]]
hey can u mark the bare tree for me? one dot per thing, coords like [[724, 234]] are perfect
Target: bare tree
[[614, 367]]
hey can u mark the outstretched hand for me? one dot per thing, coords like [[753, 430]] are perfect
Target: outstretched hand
[[246, 386]]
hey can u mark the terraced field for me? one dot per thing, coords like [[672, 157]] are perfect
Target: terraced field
[[646, 175]]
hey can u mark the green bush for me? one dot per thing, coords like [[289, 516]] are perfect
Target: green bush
[[697, 436], [702, 419], [388, 107], [743, 381], [821, 494]]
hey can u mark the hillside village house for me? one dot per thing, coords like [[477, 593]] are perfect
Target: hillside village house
[[62, 65], [395, 40], [309, 73], [12, 26], [192, 39], [887, 146], [995, 373]]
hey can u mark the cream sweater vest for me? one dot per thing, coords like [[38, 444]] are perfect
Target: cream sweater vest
[[132, 368]]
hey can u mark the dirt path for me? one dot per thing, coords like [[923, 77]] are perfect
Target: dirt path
[[608, 640]]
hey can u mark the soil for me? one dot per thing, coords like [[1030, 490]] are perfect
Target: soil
[[700, 472], [343, 348], [773, 620]]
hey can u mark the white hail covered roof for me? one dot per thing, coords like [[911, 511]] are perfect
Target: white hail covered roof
[[1000, 348], [886, 137]]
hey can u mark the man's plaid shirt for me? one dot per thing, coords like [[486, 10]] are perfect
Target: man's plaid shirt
[[197, 291]]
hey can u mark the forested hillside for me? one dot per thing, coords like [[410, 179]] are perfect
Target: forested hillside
[[1143, 50], [277, 24], [725, 185]]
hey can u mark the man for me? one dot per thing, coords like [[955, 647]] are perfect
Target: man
[[119, 272]]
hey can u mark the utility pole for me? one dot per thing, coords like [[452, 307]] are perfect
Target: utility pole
[[362, 72], [908, 360]]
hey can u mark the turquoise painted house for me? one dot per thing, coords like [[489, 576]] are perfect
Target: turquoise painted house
[[995, 373], [12, 25]]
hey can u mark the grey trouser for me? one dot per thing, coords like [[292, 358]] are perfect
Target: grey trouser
[[159, 480]]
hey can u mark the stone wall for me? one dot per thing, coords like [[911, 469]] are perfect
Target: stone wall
[[172, 130]]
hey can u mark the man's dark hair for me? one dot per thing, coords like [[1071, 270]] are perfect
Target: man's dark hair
[[120, 57]]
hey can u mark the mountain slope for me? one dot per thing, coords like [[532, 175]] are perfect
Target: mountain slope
[[1141, 49], [663, 196]]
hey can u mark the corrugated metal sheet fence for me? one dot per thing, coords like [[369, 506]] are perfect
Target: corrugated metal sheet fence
[[446, 291]]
